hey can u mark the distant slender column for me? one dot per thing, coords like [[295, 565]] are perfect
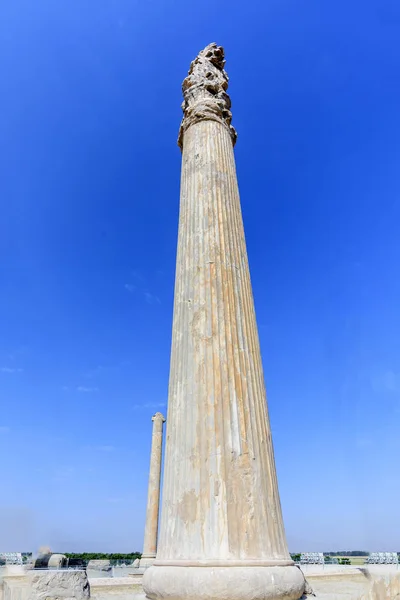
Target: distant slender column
[[221, 534], [153, 496]]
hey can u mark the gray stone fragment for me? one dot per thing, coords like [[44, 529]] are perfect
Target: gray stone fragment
[[99, 565], [57, 585]]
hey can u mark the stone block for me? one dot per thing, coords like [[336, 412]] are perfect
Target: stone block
[[99, 565], [59, 585]]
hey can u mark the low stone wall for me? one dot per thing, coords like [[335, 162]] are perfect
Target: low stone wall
[[117, 588], [351, 583], [377, 582]]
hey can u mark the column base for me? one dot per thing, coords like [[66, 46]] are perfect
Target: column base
[[147, 560], [239, 582]]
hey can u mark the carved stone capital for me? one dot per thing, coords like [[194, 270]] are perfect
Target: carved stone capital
[[204, 92], [157, 417]]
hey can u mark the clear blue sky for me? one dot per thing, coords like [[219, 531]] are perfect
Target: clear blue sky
[[89, 188]]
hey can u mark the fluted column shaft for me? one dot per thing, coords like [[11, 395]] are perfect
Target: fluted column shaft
[[221, 498], [153, 496], [221, 532]]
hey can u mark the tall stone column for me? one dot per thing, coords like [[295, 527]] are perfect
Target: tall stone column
[[153, 495], [221, 533]]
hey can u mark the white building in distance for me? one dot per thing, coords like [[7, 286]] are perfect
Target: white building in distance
[[11, 558]]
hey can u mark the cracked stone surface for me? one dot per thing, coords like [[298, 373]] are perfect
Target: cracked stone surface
[[59, 585]]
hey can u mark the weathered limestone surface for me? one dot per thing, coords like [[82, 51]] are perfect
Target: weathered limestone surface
[[221, 533], [204, 92], [153, 496], [59, 585]]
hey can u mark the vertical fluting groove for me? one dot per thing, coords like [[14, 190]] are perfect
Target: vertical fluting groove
[[181, 384], [202, 342], [230, 322], [236, 280], [179, 373], [225, 311], [227, 332], [225, 258], [224, 442], [211, 426], [209, 442], [185, 409], [189, 308], [213, 429], [219, 342], [242, 457], [196, 357], [223, 318], [241, 390], [219, 465], [183, 368]]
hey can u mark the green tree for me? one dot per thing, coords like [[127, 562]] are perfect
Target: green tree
[[114, 557], [296, 557]]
